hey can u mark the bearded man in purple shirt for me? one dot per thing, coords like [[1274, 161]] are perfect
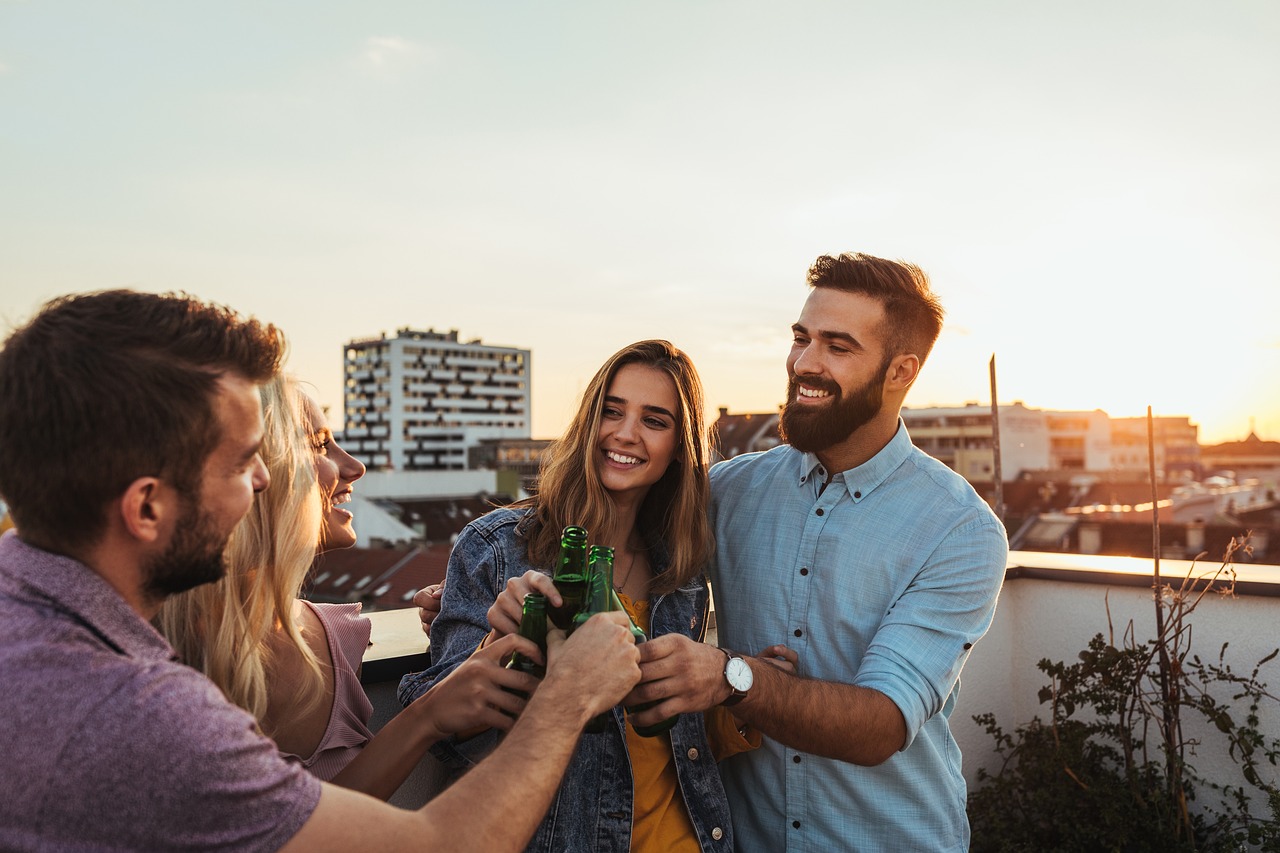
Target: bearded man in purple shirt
[[130, 426]]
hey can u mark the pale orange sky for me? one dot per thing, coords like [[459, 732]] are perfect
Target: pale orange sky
[[1094, 187]]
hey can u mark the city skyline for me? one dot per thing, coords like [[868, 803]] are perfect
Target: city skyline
[[1094, 189], [712, 409]]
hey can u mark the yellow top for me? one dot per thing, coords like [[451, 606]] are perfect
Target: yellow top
[[660, 821]]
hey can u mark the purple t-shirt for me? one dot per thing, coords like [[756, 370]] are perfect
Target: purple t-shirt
[[109, 743]]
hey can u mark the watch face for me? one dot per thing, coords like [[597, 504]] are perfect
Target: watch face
[[738, 674]]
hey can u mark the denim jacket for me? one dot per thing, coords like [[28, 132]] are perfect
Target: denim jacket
[[592, 810]]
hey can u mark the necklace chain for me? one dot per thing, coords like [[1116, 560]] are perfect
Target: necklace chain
[[630, 565]]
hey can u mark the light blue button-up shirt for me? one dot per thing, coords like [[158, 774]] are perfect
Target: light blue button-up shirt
[[884, 578]]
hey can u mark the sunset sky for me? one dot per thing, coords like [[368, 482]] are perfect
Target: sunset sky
[[1094, 187]]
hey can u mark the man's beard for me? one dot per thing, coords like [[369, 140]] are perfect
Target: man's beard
[[193, 557], [814, 430]]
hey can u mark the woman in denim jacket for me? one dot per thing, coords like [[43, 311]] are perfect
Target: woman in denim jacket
[[632, 469]]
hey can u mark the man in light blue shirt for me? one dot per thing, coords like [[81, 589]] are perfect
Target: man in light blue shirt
[[873, 564]]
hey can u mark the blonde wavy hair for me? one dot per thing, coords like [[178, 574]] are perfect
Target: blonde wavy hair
[[224, 629], [674, 511]]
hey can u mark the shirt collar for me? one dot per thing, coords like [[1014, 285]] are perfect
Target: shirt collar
[[865, 477], [78, 590], [810, 468]]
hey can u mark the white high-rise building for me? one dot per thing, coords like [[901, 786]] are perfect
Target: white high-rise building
[[418, 401]]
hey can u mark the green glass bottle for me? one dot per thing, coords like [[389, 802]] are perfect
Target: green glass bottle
[[533, 626], [600, 585], [570, 577]]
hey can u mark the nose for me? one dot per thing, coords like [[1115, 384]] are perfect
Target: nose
[[805, 361], [626, 430], [261, 476], [349, 467]]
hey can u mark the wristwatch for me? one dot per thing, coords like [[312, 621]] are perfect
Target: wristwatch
[[738, 673]]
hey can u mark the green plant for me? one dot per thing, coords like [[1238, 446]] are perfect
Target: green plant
[[1109, 769]]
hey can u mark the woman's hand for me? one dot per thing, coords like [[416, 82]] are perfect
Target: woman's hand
[[473, 698], [504, 615], [427, 600]]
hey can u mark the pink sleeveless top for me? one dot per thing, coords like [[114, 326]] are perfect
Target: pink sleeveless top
[[347, 633]]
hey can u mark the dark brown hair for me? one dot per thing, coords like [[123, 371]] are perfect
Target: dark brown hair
[[674, 511], [100, 389], [913, 314]]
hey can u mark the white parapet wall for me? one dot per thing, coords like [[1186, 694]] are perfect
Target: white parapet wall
[[1054, 603]]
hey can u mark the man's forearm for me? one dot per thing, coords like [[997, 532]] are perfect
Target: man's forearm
[[503, 798], [388, 759], [494, 807], [498, 804], [841, 721]]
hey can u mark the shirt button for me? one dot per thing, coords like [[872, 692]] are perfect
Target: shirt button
[[693, 753], [796, 759], [717, 833], [799, 633], [820, 511], [857, 494], [796, 824], [804, 572]]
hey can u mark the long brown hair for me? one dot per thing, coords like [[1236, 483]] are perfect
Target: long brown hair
[[674, 511]]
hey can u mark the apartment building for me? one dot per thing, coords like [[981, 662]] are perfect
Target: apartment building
[[962, 438], [1176, 444], [1031, 440], [420, 400]]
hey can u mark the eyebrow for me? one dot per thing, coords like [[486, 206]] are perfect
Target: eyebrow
[[830, 336], [657, 409]]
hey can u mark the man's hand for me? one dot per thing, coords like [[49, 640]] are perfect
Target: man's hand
[[504, 614], [591, 671], [782, 657], [681, 674], [472, 696], [427, 600]]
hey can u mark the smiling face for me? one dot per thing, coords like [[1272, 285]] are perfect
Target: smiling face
[[336, 470], [230, 477], [638, 431], [837, 369]]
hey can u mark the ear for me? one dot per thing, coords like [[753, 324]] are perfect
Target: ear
[[145, 508], [902, 372]]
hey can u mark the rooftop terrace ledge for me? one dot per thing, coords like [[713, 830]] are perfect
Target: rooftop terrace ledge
[[399, 645], [1251, 578], [396, 645], [1050, 605]]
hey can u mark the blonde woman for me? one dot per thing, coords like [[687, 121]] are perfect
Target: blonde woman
[[294, 664]]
